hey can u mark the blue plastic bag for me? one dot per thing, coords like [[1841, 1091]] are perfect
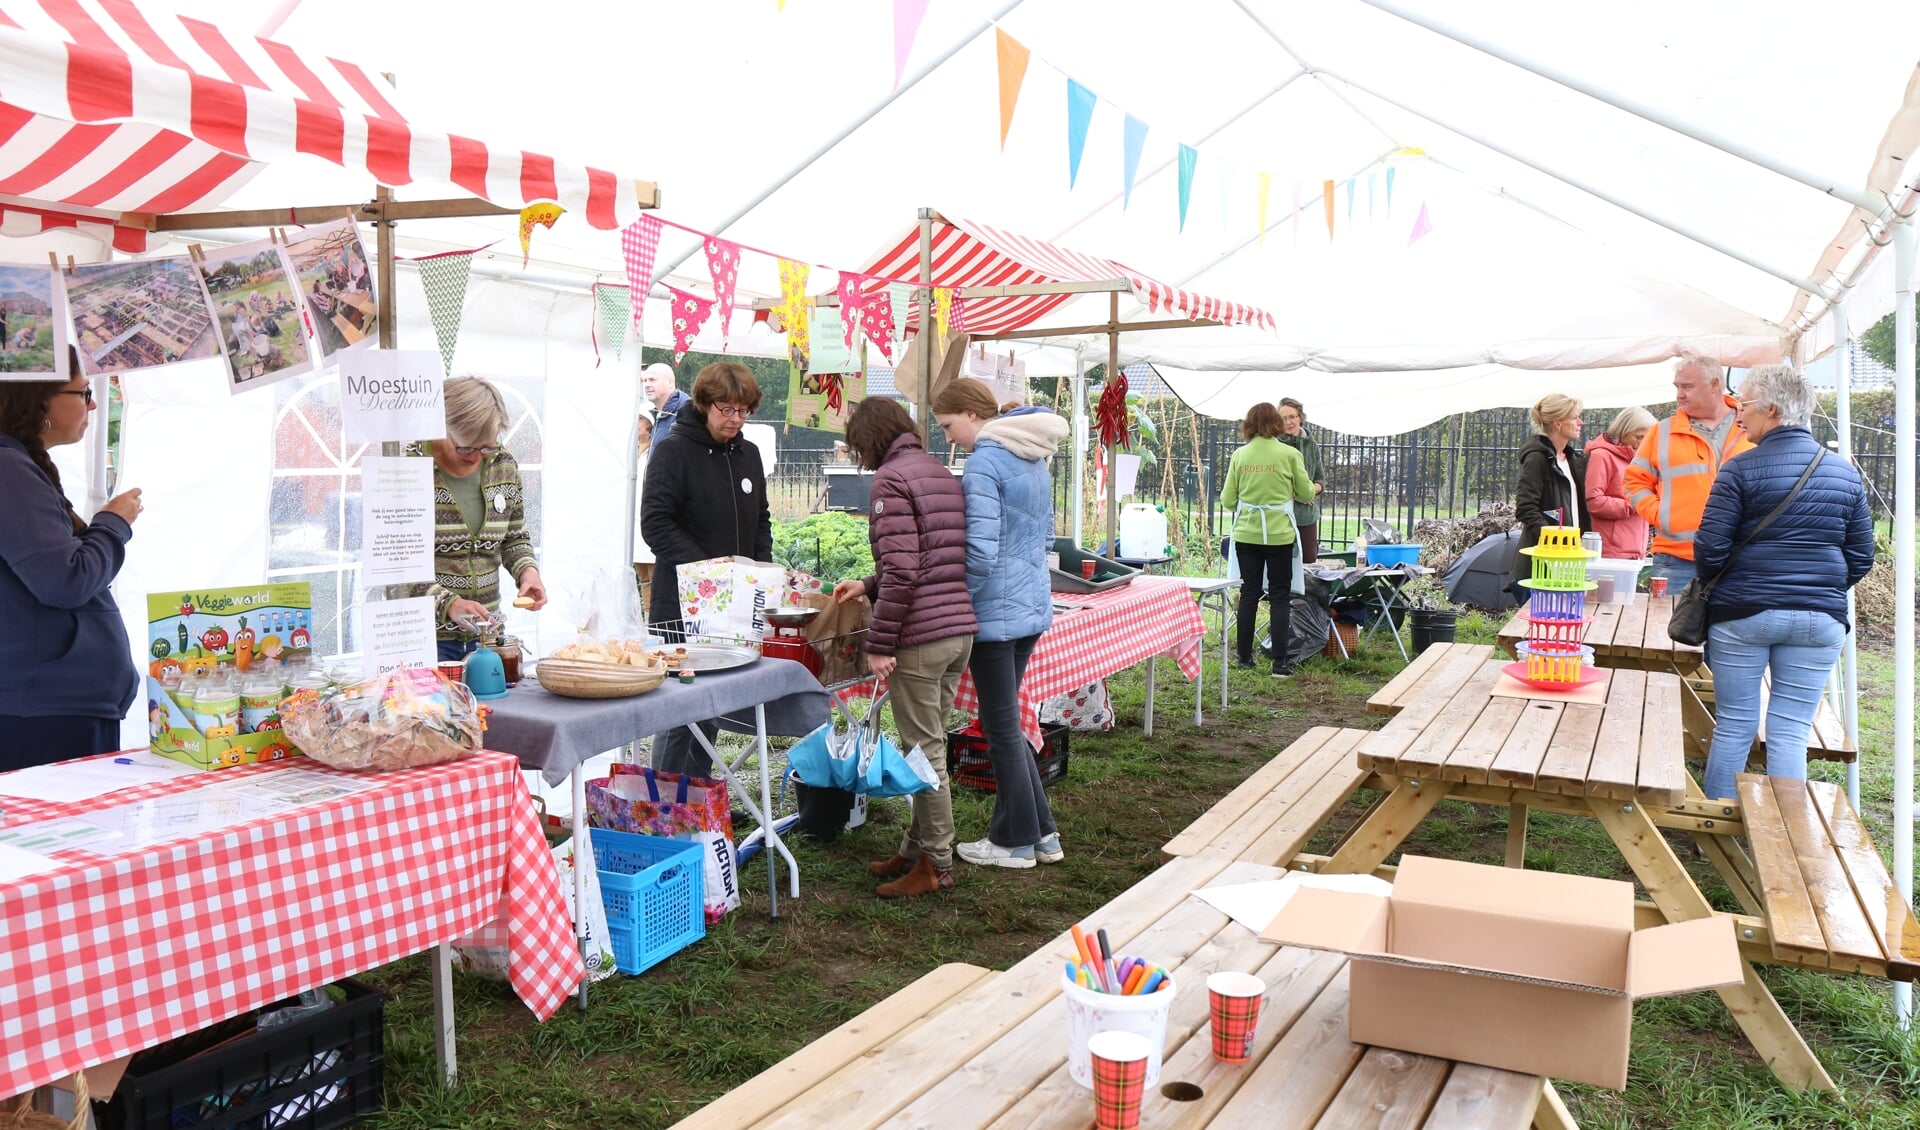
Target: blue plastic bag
[[823, 759]]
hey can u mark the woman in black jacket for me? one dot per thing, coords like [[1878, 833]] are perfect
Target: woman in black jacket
[[1779, 602], [705, 496], [1553, 471]]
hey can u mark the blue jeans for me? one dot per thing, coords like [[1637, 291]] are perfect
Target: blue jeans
[[451, 650], [1677, 570], [1800, 647], [1021, 816]]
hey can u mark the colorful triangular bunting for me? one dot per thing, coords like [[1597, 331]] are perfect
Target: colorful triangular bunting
[[1421, 226], [723, 264], [1013, 56], [1189, 158], [690, 312], [1266, 184], [444, 278], [1080, 103], [907, 15], [1326, 200], [611, 315], [639, 243], [1133, 139]]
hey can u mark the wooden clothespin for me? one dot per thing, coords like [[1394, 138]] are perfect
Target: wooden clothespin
[[54, 259], [195, 253], [69, 264]]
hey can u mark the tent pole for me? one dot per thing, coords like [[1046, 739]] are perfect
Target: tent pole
[[828, 146], [923, 403], [1848, 685], [1674, 226], [1079, 438], [1903, 642], [1113, 453], [1644, 110]]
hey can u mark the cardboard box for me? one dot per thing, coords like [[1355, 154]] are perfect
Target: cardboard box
[[1529, 971]]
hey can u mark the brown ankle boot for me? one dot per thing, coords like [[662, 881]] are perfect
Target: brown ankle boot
[[924, 879], [891, 868]]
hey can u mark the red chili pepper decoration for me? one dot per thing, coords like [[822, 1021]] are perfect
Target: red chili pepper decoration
[[831, 386], [1114, 417]]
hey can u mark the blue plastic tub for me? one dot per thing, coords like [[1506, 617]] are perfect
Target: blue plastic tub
[[654, 890], [1391, 555]]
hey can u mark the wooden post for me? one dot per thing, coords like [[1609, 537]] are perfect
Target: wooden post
[[1113, 453], [923, 403]]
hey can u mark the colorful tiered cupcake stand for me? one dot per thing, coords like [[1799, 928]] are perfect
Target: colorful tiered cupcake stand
[[1552, 657]]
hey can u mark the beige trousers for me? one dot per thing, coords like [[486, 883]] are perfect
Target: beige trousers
[[921, 692]]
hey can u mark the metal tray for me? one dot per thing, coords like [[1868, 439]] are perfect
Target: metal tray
[[714, 656]]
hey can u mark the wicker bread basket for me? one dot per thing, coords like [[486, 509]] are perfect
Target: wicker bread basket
[[573, 678]]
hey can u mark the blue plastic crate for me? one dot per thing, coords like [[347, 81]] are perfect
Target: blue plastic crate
[[1391, 555], [654, 890]]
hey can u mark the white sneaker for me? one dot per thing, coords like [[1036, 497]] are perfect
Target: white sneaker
[[1048, 850], [986, 853]]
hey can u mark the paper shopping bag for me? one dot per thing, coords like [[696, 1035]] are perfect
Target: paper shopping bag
[[725, 599], [839, 634]]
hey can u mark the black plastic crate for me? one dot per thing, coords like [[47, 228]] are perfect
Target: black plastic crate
[[314, 1073], [968, 764]]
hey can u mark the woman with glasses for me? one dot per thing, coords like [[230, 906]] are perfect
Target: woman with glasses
[[66, 668], [1306, 515], [479, 520], [705, 495]]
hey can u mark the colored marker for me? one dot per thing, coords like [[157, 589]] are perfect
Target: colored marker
[[1134, 982], [123, 761], [1080, 943], [1154, 981]]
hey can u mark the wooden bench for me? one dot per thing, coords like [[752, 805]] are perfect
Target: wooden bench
[[887, 1021], [1829, 898], [1274, 812], [1436, 665], [1828, 740]]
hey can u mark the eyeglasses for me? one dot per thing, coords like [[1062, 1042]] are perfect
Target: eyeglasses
[[86, 392], [732, 412], [470, 452]]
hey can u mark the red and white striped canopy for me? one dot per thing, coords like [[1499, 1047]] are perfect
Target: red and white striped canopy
[[966, 254], [104, 110]]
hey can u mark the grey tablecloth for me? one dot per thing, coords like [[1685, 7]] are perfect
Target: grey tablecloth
[[553, 734]]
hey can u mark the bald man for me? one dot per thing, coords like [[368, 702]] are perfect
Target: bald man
[[656, 383]]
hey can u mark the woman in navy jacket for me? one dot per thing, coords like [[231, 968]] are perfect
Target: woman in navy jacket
[[1009, 531], [66, 668], [1780, 601]]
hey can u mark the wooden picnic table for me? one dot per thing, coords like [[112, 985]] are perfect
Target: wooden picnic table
[[1620, 762], [1626, 636], [965, 1047]]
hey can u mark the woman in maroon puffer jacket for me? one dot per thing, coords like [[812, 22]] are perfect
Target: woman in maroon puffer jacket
[[923, 623]]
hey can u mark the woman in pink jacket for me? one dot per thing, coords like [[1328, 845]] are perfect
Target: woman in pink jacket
[[1623, 532]]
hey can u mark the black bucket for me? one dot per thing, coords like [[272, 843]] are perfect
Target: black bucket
[[1432, 626]]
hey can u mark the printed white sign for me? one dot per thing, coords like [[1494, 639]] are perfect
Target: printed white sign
[[397, 633], [391, 394], [396, 520]]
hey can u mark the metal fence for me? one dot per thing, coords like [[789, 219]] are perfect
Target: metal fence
[[1453, 468]]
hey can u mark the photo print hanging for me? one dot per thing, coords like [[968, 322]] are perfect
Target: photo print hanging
[[336, 286], [139, 314], [256, 309], [33, 324]]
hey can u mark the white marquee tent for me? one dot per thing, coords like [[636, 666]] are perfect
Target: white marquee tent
[[1577, 194]]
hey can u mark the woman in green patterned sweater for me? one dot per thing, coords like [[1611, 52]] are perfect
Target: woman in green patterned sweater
[[479, 523]]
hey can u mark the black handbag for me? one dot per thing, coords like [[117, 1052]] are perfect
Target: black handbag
[[1689, 623]]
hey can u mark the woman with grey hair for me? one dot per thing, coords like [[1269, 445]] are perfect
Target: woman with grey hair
[[1623, 532], [479, 518], [1779, 580]]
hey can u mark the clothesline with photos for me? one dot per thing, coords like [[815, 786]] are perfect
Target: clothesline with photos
[[272, 309]]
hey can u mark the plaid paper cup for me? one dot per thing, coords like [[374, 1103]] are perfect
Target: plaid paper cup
[[1233, 1004], [1119, 1078]]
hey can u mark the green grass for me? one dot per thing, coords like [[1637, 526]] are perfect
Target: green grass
[[655, 1048]]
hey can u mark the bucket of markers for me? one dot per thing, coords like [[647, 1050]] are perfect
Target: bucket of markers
[[1090, 1011]]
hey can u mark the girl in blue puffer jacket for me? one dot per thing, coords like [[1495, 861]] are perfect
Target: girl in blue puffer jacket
[[1009, 531]]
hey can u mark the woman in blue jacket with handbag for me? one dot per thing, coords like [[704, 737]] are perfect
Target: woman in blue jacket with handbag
[[1009, 531], [1780, 580], [66, 668]]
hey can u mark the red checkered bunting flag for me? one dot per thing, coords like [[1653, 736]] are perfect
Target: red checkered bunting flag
[[723, 261], [690, 312], [957, 315], [639, 243]]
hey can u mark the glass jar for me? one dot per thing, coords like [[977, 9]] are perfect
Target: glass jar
[[509, 651]]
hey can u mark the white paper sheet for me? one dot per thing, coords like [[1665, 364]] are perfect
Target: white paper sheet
[[392, 394], [1253, 905], [69, 781], [396, 520], [397, 633], [18, 863]]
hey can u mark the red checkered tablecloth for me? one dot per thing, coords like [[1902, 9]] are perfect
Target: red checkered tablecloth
[[1118, 628], [112, 954]]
